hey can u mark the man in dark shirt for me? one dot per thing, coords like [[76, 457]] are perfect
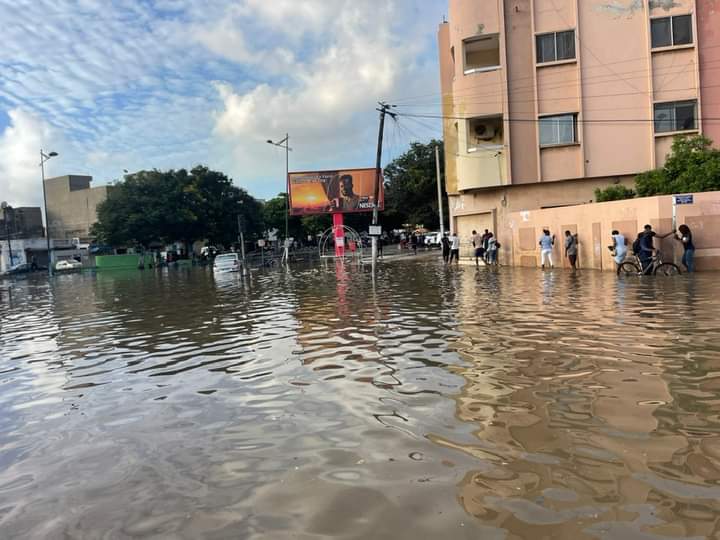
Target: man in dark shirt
[[647, 247]]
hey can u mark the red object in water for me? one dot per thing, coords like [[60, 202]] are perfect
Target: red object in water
[[339, 234]]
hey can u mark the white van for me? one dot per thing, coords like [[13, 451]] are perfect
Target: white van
[[227, 262]]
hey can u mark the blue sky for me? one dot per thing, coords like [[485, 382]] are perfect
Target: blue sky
[[141, 84]]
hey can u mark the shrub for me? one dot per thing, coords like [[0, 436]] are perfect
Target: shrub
[[693, 165], [616, 192]]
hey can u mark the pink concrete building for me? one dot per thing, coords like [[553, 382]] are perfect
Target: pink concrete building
[[546, 100]]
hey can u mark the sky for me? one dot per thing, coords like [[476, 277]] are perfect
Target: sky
[[114, 85]]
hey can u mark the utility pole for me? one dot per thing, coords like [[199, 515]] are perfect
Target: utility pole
[[384, 109], [5, 209], [440, 202], [241, 239]]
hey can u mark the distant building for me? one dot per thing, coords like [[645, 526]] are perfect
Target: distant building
[[72, 206], [21, 222]]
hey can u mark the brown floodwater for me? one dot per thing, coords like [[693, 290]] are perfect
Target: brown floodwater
[[322, 403]]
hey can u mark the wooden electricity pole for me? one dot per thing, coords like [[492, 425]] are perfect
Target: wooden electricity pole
[[384, 109]]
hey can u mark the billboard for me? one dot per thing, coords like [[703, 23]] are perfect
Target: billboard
[[329, 192]]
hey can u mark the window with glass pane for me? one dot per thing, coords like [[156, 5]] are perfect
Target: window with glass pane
[[547, 131], [664, 118], [682, 30], [684, 116], [677, 116], [660, 32], [565, 45], [555, 46], [557, 130], [545, 48]]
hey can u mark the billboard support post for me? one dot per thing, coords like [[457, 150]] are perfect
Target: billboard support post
[[287, 194], [339, 234]]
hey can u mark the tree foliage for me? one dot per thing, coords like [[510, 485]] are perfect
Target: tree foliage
[[616, 192], [176, 205], [693, 165], [411, 188], [274, 211]]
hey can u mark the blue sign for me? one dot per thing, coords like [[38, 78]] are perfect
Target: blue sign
[[683, 199]]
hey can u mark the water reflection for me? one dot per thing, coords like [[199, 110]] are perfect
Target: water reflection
[[327, 402], [584, 422]]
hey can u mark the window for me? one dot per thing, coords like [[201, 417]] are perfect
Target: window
[[555, 46], [482, 53], [670, 31], [559, 129], [675, 116]]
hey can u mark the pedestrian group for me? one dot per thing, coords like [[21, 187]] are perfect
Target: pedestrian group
[[486, 247]]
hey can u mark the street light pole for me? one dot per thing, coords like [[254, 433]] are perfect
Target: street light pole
[[43, 158], [285, 143]]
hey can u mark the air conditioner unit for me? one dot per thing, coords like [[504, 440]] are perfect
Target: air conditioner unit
[[484, 132]]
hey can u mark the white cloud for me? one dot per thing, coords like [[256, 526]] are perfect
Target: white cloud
[[20, 144], [121, 85], [327, 101]]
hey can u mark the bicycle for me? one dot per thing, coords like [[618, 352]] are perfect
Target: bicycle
[[657, 267]]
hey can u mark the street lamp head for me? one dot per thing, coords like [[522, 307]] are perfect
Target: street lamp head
[[270, 142], [52, 154]]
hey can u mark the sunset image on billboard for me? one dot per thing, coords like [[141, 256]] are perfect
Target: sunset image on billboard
[[329, 192]]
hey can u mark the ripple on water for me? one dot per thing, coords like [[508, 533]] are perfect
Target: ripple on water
[[427, 402]]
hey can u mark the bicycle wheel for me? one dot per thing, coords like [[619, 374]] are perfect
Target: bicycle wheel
[[667, 269], [628, 269]]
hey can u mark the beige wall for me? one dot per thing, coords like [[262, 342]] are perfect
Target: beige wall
[[521, 92], [594, 223], [708, 28], [502, 202], [71, 212]]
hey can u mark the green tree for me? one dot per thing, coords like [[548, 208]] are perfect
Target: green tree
[[411, 188], [613, 193], [175, 205], [274, 211], [693, 165], [316, 224]]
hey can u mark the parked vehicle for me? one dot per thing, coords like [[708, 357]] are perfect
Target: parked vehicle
[[67, 264], [23, 268], [209, 251], [432, 239], [227, 262]]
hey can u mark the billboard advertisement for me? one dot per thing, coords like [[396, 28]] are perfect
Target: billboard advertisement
[[329, 192]]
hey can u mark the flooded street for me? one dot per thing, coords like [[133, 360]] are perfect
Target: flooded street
[[320, 403]]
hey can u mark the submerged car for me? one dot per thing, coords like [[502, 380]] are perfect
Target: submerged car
[[23, 268], [227, 262], [66, 265]]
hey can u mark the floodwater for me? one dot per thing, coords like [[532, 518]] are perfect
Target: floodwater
[[320, 403]]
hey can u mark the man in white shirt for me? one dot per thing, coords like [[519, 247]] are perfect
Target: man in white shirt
[[546, 243], [454, 247], [477, 242]]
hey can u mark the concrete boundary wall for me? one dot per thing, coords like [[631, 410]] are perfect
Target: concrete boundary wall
[[593, 224]]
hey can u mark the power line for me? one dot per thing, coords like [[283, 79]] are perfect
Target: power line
[[578, 120], [583, 69], [585, 97], [514, 89]]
